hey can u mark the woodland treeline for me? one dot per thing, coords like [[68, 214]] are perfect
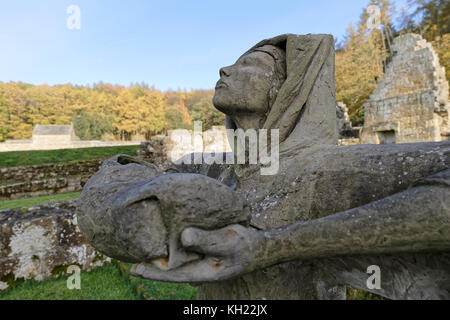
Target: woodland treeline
[[114, 112], [103, 111]]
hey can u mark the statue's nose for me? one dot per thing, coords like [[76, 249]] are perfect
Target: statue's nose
[[225, 72]]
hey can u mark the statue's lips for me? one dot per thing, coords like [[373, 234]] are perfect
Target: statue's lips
[[221, 84]]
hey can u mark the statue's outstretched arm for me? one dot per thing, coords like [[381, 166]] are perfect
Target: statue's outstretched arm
[[414, 220]]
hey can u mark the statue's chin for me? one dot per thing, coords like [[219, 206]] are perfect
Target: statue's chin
[[227, 103], [221, 105]]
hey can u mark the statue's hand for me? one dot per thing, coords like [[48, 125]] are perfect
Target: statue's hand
[[227, 253]]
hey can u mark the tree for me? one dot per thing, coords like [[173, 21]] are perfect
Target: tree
[[442, 46], [4, 118], [125, 112], [204, 111], [20, 126], [433, 15], [361, 61], [177, 117], [431, 18], [139, 111], [91, 126], [125, 119], [151, 113]]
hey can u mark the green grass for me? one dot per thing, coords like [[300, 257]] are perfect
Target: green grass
[[105, 283], [355, 294], [30, 202], [111, 282], [156, 290], [22, 158]]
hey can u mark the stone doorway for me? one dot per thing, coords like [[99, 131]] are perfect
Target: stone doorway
[[386, 137]]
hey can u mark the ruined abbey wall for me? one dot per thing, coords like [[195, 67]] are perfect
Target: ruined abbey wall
[[410, 103]]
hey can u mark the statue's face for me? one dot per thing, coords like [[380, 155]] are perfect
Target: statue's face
[[244, 86]]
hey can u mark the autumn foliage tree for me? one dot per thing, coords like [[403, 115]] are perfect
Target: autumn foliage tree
[[361, 59], [4, 117], [431, 19], [123, 113]]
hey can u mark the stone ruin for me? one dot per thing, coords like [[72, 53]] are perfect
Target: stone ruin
[[343, 122], [163, 150], [411, 102], [348, 135]]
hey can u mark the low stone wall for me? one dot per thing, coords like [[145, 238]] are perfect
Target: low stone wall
[[26, 145], [41, 243], [29, 181], [48, 171], [42, 187]]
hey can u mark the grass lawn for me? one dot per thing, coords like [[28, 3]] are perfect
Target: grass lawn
[[30, 202], [111, 282], [355, 294], [105, 283], [22, 158], [156, 290]]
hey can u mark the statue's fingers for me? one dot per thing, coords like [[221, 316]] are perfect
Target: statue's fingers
[[149, 271], [206, 270], [213, 243]]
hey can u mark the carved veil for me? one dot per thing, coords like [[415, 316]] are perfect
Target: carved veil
[[304, 117]]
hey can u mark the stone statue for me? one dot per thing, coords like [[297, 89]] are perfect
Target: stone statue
[[305, 233]]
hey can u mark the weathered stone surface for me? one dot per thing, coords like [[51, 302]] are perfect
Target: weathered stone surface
[[411, 102], [134, 212], [41, 242]]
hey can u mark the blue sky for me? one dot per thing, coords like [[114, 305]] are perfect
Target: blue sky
[[168, 44]]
